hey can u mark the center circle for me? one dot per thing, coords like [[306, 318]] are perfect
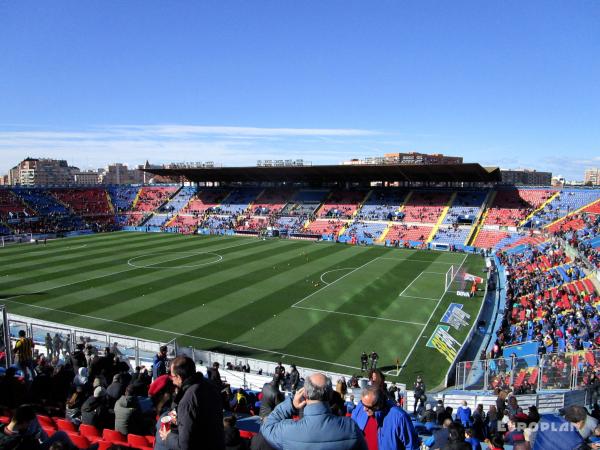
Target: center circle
[[172, 257]]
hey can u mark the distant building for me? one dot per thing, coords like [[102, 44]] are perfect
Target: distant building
[[3, 180], [120, 174], [86, 177], [42, 172], [526, 177], [592, 176], [413, 158]]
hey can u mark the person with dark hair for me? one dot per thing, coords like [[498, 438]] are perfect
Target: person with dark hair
[[294, 378], [233, 440], [23, 353], [24, 433], [471, 439], [128, 414], [214, 375], [318, 428], [198, 419], [419, 394], [385, 425], [374, 358], [280, 374], [456, 438], [364, 362], [579, 417], [271, 397]]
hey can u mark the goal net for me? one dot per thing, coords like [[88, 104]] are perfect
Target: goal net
[[15, 239], [457, 280], [450, 274]]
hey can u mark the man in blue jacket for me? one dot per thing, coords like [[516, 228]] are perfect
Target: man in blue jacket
[[318, 428], [386, 426]]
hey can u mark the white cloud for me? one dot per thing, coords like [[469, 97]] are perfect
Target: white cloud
[[98, 146]]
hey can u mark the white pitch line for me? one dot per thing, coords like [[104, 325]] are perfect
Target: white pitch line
[[357, 315], [334, 270], [418, 260], [429, 320], [330, 284], [409, 285], [118, 272], [175, 333], [422, 298]]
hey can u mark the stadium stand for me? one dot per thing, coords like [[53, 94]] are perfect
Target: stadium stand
[[271, 201], [408, 233], [341, 204], [382, 205], [365, 232], [122, 197], [237, 201], [511, 206], [425, 207], [151, 197], [12, 206], [205, 199]]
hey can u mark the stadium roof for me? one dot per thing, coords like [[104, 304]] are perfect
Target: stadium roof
[[436, 173]]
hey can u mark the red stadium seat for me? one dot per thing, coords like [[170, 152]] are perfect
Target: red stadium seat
[[49, 430], [150, 439], [65, 425], [78, 441], [246, 434], [4, 419], [90, 432], [137, 441], [114, 436], [46, 421]]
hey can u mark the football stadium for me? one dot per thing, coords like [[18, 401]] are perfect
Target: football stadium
[[275, 225]]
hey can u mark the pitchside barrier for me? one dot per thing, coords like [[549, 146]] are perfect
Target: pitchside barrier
[[552, 371], [140, 352]]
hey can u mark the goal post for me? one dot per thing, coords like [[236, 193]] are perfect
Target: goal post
[[15, 239], [450, 274]]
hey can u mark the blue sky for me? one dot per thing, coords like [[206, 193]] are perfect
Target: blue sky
[[506, 83]]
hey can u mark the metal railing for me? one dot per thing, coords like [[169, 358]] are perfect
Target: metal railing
[[530, 373]]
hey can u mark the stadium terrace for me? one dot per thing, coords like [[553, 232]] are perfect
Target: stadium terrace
[[433, 296]]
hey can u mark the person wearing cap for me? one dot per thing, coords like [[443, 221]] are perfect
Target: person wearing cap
[[198, 419], [94, 410], [428, 415], [385, 425], [419, 393], [159, 364]]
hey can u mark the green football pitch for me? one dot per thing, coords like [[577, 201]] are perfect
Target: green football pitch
[[318, 305]]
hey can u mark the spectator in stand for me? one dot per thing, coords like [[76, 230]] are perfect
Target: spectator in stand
[[24, 433], [78, 359], [280, 374], [471, 439], [318, 428], [584, 423], [514, 434], [23, 353], [463, 413], [271, 397], [385, 426], [12, 392], [456, 438], [214, 375], [439, 439], [513, 408], [198, 421], [128, 414], [94, 410], [74, 404], [233, 440], [159, 365], [115, 390]]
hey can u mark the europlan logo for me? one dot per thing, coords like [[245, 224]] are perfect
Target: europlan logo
[[536, 426]]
